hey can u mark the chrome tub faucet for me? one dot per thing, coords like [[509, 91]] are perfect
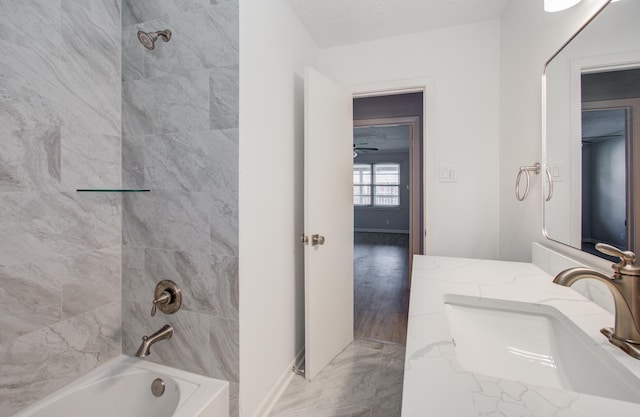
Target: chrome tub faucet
[[164, 333], [625, 287]]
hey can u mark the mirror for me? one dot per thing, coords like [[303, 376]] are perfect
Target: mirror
[[591, 128]]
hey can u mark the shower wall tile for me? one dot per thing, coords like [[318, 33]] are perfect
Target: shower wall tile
[[187, 349], [217, 295], [90, 160], [132, 54], [225, 156], [133, 161], [138, 11], [29, 87], [90, 280], [60, 129], [223, 214], [223, 96], [91, 38], [234, 399], [38, 87], [91, 56], [29, 298], [193, 161], [134, 287], [28, 23], [40, 362], [213, 351], [203, 38], [223, 206], [166, 220], [209, 283], [30, 159], [180, 124], [179, 161], [45, 225], [177, 103], [225, 347]]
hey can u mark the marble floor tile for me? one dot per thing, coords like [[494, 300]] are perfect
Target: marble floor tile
[[365, 380]]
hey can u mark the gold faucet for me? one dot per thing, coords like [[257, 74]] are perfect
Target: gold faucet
[[625, 287]]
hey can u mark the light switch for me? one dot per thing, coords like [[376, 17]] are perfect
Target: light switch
[[448, 174]]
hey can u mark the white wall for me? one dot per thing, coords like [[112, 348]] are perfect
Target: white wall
[[529, 37], [461, 65], [274, 49]]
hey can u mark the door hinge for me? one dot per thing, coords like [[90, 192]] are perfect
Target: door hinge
[[297, 371], [304, 239]]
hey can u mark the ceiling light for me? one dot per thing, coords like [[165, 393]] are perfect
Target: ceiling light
[[557, 5]]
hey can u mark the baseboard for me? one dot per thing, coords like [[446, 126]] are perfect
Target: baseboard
[[270, 401], [404, 232]]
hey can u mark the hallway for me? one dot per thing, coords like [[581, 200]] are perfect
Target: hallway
[[381, 286]]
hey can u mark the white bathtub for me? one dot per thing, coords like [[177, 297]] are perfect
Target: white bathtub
[[122, 388]]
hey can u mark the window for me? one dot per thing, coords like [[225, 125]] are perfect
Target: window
[[376, 185], [362, 184]]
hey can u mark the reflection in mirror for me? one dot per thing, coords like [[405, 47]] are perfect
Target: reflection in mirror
[[592, 133]]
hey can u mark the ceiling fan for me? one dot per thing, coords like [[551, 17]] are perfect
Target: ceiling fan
[[358, 148]]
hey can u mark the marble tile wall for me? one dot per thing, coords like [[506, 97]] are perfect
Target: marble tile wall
[[180, 139], [60, 252]]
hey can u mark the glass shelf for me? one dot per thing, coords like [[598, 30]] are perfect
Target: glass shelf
[[113, 190]]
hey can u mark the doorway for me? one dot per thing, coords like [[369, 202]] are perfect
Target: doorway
[[610, 151], [388, 213], [610, 158]]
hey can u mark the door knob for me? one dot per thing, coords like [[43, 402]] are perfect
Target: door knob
[[317, 240]]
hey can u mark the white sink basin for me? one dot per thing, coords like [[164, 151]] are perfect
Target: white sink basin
[[534, 344]]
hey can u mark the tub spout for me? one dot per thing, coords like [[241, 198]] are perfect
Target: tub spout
[[625, 287], [164, 333]]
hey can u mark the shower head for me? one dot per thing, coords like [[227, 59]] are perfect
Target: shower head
[[148, 39]]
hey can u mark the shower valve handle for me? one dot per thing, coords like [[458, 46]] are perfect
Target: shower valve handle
[[164, 298], [167, 297]]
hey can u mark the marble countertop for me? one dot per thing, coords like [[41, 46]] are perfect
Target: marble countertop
[[434, 382]]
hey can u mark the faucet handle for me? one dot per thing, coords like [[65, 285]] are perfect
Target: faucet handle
[[627, 264], [167, 297], [164, 298]]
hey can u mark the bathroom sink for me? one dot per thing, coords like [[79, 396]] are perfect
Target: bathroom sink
[[534, 344]]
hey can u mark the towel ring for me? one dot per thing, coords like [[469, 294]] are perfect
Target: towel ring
[[535, 168]]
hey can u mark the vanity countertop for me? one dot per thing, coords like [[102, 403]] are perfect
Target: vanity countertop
[[434, 382]]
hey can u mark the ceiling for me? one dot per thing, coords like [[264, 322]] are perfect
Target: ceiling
[[340, 22], [386, 138]]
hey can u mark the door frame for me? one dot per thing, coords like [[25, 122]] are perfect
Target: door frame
[[429, 127], [632, 144], [415, 155]]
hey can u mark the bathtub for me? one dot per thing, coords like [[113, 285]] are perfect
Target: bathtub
[[122, 388]]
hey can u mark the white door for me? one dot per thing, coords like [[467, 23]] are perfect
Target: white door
[[328, 213]]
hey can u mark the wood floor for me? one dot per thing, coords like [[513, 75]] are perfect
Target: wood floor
[[381, 286]]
